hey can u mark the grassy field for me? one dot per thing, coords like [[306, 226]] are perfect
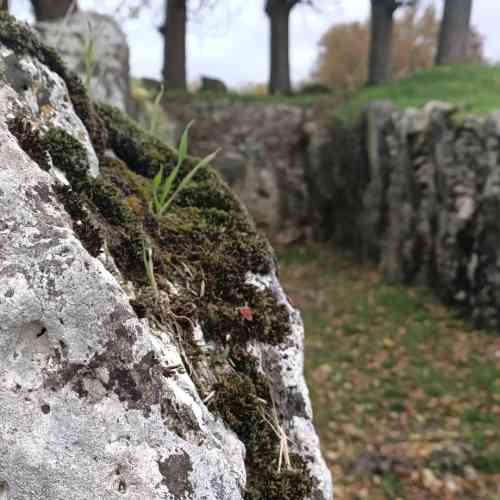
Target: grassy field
[[406, 395]]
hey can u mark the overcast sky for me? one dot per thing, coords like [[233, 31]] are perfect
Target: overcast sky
[[231, 42]]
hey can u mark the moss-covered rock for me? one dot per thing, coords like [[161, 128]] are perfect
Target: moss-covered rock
[[209, 236], [211, 272]]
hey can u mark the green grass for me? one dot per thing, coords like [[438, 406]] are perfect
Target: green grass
[[489, 464], [476, 416], [391, 485], [475, 89]]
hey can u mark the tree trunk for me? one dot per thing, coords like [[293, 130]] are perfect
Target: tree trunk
[[454, 33], [279, 17], [382, 28], [51, 10], [4, 5], [174, 54]]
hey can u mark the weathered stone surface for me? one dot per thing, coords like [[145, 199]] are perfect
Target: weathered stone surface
[[38, 92], [109, 389], [110, 62], [81, 385]]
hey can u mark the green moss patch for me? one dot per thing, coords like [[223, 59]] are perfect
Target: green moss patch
[[209, 233], [242, 400], [83, 225], [144, 153], [30, 141], [56, 146], [68, 155]]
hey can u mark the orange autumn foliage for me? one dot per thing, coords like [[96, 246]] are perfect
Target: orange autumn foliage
[[344, 49]]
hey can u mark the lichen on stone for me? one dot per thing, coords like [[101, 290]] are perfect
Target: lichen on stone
[[23, 41]]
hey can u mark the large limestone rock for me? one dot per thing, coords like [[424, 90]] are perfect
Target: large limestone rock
[[113, 385], [89, 32]]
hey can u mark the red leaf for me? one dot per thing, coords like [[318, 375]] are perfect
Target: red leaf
[[246, 312]]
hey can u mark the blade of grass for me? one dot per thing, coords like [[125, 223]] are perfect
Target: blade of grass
[[208, 159]]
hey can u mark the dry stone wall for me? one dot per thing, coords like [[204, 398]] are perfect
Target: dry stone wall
[[261, 157], [419, 193]]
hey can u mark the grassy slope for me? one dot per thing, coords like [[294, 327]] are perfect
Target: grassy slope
[[476, 89], [406, 395]]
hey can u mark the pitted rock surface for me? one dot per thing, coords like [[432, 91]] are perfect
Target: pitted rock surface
[[80, 380], [42, 95]]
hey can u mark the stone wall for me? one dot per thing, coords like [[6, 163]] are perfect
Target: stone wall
[[421, 195]]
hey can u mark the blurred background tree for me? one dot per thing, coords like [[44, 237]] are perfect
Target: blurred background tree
[[51, 10], [278, 12], [454, 34], [174, 30], [174, 41], [382, 39], [4, 5]]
